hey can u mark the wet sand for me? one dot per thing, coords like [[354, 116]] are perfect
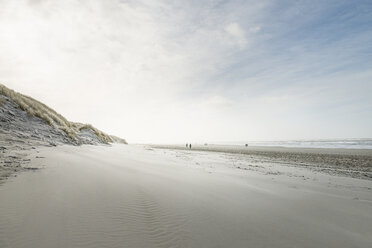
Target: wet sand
[[133, 196], [355, 163]]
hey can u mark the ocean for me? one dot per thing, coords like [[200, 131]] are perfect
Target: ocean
[[326, 143]]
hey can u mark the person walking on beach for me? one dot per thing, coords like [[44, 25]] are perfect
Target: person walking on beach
[[187, 145], [190, 146]]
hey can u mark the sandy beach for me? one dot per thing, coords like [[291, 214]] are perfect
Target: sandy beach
[[137, 196], [185, 124], [355, 163]]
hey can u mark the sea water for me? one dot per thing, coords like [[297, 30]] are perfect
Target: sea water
[[324, 143]]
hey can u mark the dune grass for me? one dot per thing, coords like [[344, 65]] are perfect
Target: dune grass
[[54, 119], [38, 109], [2, 101], [118, 139], [105, 138]]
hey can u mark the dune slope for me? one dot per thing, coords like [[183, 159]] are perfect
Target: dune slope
[[26, 123]]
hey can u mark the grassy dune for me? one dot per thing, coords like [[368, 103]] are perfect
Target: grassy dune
[[54, 119]]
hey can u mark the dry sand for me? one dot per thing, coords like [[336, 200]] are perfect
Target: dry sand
[[133, 196], [22, 132]]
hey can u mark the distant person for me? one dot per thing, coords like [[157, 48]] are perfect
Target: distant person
[[190, 146], [187, 145]]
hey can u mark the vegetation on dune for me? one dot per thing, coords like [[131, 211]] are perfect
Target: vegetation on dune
[[54, 119], [2, 101], [118, 139], [38, 109], [105, 138]]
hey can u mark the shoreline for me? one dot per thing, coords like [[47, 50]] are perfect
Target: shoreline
[[356, 163], [246, 150]]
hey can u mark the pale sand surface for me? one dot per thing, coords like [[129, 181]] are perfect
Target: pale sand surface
[[133, 196], [355, 163]]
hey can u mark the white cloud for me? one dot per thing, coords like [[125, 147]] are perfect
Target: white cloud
[[255, 29], [154, 71], [237, 33], [86, 58], [216, 102]]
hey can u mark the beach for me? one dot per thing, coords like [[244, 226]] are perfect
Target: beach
[[185, 124], [140, 196], [355, 163]]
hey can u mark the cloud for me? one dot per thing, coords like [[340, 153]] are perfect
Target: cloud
[[255, 29], [154, 71], [216, 102], [236, 32]]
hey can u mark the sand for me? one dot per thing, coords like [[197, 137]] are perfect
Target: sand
[[21, 132], [135, 196], [355, 163]]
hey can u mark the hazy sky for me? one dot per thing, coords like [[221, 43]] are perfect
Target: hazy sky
[[195, 71]]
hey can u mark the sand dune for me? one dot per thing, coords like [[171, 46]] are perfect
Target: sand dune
[[12, 102], [26, 123], [133, 196]]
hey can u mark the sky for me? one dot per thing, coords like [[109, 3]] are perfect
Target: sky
[[195, 71]]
